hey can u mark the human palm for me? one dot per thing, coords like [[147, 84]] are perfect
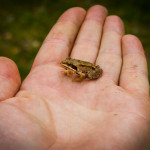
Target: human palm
[[50, 112]]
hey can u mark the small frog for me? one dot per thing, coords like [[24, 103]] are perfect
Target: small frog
[[82, 69]]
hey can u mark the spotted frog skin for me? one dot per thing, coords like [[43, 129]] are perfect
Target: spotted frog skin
[[81, 69]]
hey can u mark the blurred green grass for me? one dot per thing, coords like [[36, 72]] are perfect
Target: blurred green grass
[[24, 24]]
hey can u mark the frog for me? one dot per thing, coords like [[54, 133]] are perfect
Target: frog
[[81, 70]]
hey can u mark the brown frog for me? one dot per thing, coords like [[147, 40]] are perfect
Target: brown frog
[[82, 69]]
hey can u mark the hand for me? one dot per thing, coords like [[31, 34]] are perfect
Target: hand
[[50, 112]]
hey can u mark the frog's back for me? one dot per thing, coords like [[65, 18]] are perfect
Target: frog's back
[[83, 63], [77, 62]]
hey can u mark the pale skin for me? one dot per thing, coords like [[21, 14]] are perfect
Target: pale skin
[[50, 112]]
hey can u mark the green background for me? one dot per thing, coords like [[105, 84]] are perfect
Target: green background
[[24, 24]]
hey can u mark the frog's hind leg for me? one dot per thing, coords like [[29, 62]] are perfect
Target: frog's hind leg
[[79, 78]]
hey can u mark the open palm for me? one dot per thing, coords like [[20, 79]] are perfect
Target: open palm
[[50, 112]]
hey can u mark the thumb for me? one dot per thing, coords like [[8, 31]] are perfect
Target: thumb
[[9, 78]]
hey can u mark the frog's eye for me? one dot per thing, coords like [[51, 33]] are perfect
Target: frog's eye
[[93, 68]]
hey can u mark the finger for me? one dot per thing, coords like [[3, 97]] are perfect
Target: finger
[[9, 78], [58, 42], [134, 74], [109, 57], [88, 40]]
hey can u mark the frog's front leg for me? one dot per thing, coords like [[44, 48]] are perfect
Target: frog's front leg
[[67, 72], [79, 78]]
